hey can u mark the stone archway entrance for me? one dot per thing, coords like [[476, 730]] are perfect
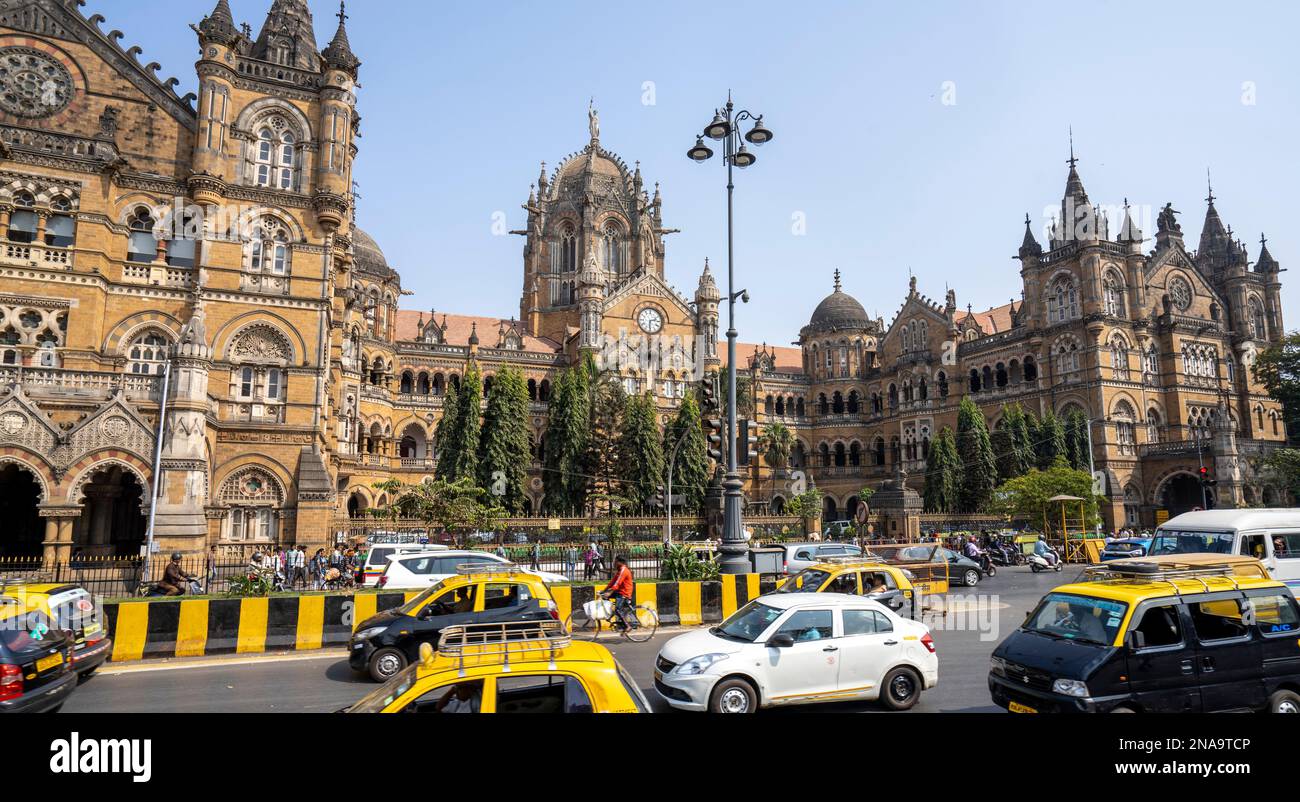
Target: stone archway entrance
[[356, 506], [22, 531], [1182, 493], [111, 522], [830, 511]]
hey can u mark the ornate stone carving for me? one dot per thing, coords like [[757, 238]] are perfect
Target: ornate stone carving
[[32, 84], [261, 343]]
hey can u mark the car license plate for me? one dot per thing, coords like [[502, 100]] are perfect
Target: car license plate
[[49, 662], [91, 629], [1016, 707]]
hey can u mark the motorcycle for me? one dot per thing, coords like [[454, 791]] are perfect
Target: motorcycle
[[151, 590], [1049, 562], [986, 564]]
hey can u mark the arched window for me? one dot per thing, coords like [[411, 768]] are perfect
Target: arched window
[[275, 157], [1031, 369], [879, 449], [1067, 358], [182, 247], [269, 250], [1119, 357], [148, 354], [568, 250], [1258, 328], [61, 227], [612, 247], [1155, 433], [254, 499], [1062, 300], [143, 243], [943, 384], [23, 220], [1113, 292], [1125, 427]]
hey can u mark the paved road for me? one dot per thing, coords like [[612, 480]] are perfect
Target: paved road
[[322, 682]]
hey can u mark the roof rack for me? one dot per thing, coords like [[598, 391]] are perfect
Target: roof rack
[[1167, 571], [498, 641], [490, 567], [866, 558]]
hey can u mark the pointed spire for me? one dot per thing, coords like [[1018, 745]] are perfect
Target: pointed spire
[[473, 333], [1074, 184], [541, 180], [288, 36], [1128, 230], [1266, 263], [339, 52], [838, 288], [219, 26], [1214, 235], [1029, 246]]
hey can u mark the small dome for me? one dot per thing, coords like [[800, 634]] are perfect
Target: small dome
[[366, 253], [839, 310]]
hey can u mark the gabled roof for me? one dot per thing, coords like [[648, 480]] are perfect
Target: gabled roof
[[460, 327], [993, 321]]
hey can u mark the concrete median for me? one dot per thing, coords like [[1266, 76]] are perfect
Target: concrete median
[[164, 628]]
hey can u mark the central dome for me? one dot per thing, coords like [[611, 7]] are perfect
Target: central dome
[[839, 310]]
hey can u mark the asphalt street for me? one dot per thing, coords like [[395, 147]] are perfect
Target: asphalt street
[[976, 620]]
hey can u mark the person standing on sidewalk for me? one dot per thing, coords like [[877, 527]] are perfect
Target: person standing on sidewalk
[[537, 553]]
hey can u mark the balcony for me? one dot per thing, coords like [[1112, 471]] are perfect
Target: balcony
[[420, 400], [158, 274], [417, 463], [54, 383], [373, 460], [1176, 448], [20, 254]]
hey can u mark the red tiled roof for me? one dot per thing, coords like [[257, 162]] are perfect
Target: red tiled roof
[[992, 321], [788, 360], [460, 326]]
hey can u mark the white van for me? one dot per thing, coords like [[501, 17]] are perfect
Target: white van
[[377, 558], [1271, 535]]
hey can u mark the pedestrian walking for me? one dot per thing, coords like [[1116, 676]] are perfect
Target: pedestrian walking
[[537, 553], [210, 569], [588, 561]]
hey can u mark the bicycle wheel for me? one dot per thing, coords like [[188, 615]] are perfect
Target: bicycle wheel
[[581, 626], [647, 624]]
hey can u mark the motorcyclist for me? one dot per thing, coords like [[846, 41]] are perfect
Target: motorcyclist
[[175, 580]]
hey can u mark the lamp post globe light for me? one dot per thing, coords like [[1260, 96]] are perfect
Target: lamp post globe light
[[726, 127]]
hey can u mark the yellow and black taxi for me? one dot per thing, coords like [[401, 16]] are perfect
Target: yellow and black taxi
[[891, 585], [1184, 633], [70, 608], [519, 667], [478, 593], [36, 673]]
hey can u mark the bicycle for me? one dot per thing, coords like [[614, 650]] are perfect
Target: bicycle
[[600, 615]]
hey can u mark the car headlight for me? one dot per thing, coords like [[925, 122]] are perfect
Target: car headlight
[[1070, 687], [998, 666], [367, 634], [698, 665]]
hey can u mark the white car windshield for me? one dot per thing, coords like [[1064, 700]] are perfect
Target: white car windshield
[[747, 623], [1180, 542]]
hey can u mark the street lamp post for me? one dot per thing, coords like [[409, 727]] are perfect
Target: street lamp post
[[734, 552]]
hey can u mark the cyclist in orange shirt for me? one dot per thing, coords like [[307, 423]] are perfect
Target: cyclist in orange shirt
[[621, 588]]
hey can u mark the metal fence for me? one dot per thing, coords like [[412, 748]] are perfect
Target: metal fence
[[118, 577]]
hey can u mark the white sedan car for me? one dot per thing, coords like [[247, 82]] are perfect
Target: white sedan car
[[422, 570], [795, 648]]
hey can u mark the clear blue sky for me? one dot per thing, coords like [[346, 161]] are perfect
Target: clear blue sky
[[462, 101]]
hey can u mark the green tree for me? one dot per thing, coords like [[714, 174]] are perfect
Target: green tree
[[1028, 496], [775, 444], [606, 401], [691, 471], [744, 392], [641, 452], [979, 470], [564, 475], [1278, 369], [458, 507], [458, 457], [943, 475], [1076, 435], [1051, 441], [1018, 425], [447, 431], [503, 444], [1282, 467]]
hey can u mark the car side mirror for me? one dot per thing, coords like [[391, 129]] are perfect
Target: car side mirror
[[781, 640], [1137, 640]]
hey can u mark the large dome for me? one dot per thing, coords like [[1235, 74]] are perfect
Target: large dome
[[839, 310], [366, 253]]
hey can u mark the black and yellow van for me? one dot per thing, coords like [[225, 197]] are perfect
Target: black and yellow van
[[1185, 634]]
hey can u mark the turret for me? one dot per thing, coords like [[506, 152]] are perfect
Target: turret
[[334, 159], [706, 313], [219, 41]]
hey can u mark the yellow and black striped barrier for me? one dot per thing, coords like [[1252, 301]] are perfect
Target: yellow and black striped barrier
[[193, 628]]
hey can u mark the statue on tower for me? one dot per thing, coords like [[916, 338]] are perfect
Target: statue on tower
[[1166, 220], [593, 120]]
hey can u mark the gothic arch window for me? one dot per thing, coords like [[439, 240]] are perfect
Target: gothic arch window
[[274, 155], [142, 243], [943, 384], [148, 354], [23, 221], [1255, 313], [1155, 431], [878, 450], [1125, 427], [1062, 300], [1113, 295], [613, 249], [61, 227], [254, 498], [568, 252], [268, 250], [1067, 357], [1151, 362], [1031, 369], [1119, 357]]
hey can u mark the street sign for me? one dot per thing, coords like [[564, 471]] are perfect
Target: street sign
[[1161, 516]]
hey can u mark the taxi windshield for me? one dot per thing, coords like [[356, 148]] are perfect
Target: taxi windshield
[[747, 623], [1078, 618], [383, 696], [1169, 541], [807, 581], [415, 605]]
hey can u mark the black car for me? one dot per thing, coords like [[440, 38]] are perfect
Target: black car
[[36, 674], [387, 642]]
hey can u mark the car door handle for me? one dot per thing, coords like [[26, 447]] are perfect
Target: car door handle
[[891, 643], [1187, 666], [831, 649]]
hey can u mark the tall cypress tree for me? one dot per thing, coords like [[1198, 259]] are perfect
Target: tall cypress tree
[[1051, 441], [607, 401], [691, 470], [1078, 436], [1022, 439], [943, 475], [641, 453], [566, 443], [979, 470], [447, 433], [503, 444], [460, 452]]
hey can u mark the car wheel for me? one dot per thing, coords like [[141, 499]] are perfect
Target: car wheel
[[385, 663], [1122, 709], [971, 578], [902, 687], [733, 696], [1284, 702]]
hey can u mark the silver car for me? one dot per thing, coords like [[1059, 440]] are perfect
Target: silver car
[[799, 556]]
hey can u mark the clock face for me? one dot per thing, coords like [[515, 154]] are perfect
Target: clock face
[[650, 321]]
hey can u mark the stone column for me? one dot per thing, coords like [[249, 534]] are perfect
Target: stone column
[[59, 521]]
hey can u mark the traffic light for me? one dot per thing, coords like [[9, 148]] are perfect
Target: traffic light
[[709, 393], [747, 442], [1206, 479], [716, 433]]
